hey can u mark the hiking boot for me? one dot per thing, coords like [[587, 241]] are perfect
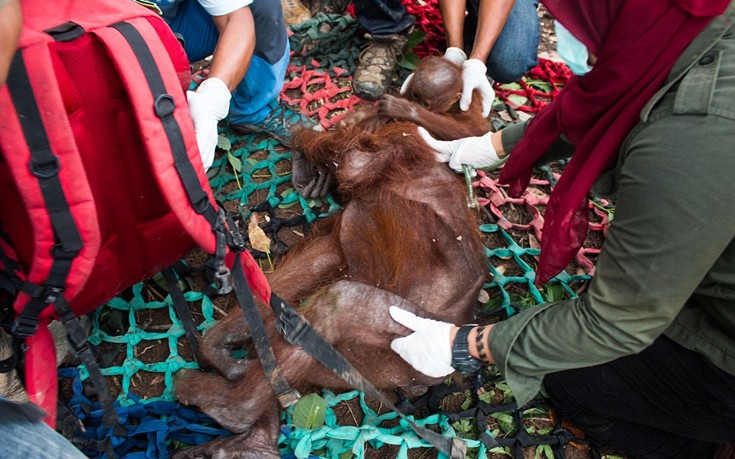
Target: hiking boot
[[374, 71], [294, 12], [11, 387], [282, 123]]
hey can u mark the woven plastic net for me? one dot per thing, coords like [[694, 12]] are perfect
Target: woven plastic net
[[142, 342]]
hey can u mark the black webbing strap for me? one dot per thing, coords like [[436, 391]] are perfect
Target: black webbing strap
[[182, 310], [8, 364], [163, 106], [77, 338], [297, 331], [286, 394], [44, 164]]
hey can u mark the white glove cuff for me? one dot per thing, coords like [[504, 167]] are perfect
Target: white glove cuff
[[475, 65], [455, 55], [217, 94]]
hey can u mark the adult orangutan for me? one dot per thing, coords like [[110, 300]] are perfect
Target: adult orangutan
[[405, 236]]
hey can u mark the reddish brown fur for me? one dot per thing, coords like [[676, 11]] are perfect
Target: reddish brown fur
[[405, 237], [432, 101]]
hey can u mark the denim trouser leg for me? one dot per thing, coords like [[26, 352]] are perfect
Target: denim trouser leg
[[264, 79], [516, 49], [383, 17], [24, 437]]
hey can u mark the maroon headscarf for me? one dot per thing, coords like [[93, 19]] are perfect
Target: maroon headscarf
[[636, 43]]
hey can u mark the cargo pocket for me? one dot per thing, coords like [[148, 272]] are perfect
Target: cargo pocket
[[696, 90]]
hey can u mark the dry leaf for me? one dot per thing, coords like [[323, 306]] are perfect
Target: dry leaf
[[256, 235]]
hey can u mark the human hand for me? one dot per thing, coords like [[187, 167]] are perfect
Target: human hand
[[428, 349], [474, 76], [454, 55], [476, 152], [208, 105]]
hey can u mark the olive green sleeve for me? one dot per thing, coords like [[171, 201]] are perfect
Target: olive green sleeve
[[673, 219], [511, 135]]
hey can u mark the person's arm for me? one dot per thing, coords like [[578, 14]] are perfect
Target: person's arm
[[670, 227], [231, 58], [10, 24], [453, 14], [490, 22]]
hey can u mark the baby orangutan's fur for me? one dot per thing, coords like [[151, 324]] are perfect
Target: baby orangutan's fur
[[432, 101], [405, 237]]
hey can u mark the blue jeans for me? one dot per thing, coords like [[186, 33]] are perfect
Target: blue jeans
[[24, 435], [516, 50], [264, 79], [383, 17]]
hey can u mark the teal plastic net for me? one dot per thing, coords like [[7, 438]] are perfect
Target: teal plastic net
[[142, 342]]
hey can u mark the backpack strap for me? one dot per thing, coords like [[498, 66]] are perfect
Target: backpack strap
[[43, 161], [163, 113], [163, 118]]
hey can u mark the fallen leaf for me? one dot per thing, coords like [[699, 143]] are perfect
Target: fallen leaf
[[256, 235]]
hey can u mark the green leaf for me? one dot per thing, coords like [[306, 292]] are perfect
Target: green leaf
[[467, 401], [223, 142], [409, 61], [541, 85], [464, 427], [505, 421], [487, 396], [517, 100], [553, 292], [544, 450], [511, 86], [415, 38], [234, 162], [310, 412], [345, 455]]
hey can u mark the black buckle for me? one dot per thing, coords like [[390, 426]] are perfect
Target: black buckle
[[24, 326], [226, 225], [288, 323], [51, 294], [223, 280], [45, 169], [164, 105]]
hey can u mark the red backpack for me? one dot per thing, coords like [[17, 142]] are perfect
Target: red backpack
[[100, 176]]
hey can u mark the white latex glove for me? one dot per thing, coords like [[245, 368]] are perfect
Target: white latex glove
[[428, 349], [208, 105], [453, 55], [476, 152], [474, 76]]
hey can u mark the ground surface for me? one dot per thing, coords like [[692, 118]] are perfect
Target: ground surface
[[517, 220]]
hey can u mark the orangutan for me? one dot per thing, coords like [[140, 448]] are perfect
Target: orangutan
[[405, 236]]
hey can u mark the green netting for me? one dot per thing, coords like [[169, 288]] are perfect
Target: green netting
[[141, 337], [135, 339]]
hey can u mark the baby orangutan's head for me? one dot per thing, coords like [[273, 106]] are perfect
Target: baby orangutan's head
[[436, 84]]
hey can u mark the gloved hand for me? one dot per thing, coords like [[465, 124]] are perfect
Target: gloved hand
[[453, 55], [208, 105], [476, 152], [474, 76], [427, 349]]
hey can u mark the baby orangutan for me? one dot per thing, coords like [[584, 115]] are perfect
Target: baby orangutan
[[405, 237], [431, 100]]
